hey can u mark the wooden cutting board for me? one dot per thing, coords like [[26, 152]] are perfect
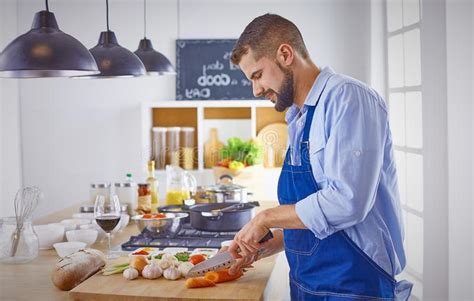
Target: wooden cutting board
[[274, 140], [110, 288]]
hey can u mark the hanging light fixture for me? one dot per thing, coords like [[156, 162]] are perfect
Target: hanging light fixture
[[112, 59], [155, 62], [46, 51]]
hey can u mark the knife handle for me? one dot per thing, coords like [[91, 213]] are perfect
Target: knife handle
[[267, 236]]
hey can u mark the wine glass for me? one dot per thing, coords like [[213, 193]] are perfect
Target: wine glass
[[107, 216]]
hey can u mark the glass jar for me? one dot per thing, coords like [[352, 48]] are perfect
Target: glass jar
[[187, 143], [144, 199], [159, 147], [27, 245], [128, 194], [99, 189], [172, 141]]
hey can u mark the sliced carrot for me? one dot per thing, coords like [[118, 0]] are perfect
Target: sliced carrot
[[199, 282], [222, 276]]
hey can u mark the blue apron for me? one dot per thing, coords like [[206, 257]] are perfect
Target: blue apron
[[334, 268]]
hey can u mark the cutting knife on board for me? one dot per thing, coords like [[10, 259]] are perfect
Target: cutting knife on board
[[219, 262]]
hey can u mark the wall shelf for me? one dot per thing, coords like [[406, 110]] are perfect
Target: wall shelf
[[241, 118]]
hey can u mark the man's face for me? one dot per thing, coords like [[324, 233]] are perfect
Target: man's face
[[269, 80]]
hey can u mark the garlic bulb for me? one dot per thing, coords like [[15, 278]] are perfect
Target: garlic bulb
[[169, 257], [184, 268], [172, 273], [152, 271], [164, 264], [130, 274]]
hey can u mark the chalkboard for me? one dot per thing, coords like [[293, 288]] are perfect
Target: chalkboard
[[205, 72]]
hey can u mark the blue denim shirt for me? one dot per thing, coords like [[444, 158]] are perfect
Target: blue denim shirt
[[352, 160]]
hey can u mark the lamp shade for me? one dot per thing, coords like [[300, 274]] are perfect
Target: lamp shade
[[46, 51], [114, 60], [155, 62]]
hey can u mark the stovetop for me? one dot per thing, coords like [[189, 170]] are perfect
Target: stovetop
[[187, 237]]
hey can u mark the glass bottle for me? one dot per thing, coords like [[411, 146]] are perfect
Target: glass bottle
[[144, 199], [153, 185]]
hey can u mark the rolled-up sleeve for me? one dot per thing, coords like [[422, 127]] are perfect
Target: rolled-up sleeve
[[355, 128]]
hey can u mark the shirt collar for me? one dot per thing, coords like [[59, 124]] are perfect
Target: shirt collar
[[313, 95], [318, 86]]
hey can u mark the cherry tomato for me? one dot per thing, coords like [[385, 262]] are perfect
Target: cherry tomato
[[147, 216], [159, 215], [195, 259]]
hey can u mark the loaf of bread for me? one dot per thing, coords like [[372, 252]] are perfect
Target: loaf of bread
[[73, 269]]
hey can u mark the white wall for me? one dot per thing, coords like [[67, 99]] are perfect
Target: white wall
[[459, 24], [378, 74], [78, 131], [10, 150]]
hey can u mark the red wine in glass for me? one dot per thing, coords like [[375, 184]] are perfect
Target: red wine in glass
[[107, 216], [108, 223]]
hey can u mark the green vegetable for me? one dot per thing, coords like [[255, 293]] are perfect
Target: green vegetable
[[115, 269], [237, 150], [182, 256]]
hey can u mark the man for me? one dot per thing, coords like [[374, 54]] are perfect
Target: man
[[339, 218]]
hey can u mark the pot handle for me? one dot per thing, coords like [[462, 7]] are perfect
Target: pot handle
[[210, 216], [226, 179]]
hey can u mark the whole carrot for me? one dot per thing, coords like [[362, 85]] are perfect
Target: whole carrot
[[222, 276]]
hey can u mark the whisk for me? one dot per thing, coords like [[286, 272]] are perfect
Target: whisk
[[26, 200]]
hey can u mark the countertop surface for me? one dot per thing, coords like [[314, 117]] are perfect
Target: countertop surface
[[32, 280]]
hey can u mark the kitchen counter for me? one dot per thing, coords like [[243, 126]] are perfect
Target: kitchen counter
[[32, 280]]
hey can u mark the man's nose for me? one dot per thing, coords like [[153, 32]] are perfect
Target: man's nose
[[257, 90]]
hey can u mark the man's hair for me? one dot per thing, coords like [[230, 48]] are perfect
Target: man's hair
[[265, 34]]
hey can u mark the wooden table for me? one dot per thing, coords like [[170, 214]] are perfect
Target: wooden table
[[31, 281]]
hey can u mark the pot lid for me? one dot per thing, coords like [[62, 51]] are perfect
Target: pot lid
[[225, 184]]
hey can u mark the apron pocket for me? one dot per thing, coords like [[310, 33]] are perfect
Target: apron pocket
[[300, 241]]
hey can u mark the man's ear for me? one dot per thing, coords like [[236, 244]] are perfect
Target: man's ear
[[285, 55]]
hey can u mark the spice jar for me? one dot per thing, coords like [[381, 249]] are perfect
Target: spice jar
[[187, 143], [172, 140], [144, 199]]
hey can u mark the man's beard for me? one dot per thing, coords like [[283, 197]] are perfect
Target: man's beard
[[285, 98]]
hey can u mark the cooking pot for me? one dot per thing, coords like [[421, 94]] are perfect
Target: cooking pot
[[222, 192], [221, 217]]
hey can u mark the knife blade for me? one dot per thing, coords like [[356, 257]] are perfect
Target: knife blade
[[219, 262]]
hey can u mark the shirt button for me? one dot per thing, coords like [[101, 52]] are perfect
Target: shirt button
[[357, 153]]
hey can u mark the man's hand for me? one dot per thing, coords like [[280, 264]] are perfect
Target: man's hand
[[241, 263], [246, 241]]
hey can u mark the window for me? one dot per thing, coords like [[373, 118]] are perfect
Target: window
[[406, 121]]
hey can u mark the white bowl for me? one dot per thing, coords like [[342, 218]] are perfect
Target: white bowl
[[100, 233], [49, 234], [84, 215], [66, 248], [74, 223], [88, 236], [124, 220]]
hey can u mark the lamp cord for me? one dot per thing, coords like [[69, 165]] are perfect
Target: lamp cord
[[178, 8], [107, 13], [144, 18], [47, 6]]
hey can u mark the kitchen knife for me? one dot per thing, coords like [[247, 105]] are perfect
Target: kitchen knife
[[218, 262]]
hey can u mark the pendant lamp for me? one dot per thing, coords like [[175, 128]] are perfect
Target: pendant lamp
[[112, 59], [155, 62], [46, 51]]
